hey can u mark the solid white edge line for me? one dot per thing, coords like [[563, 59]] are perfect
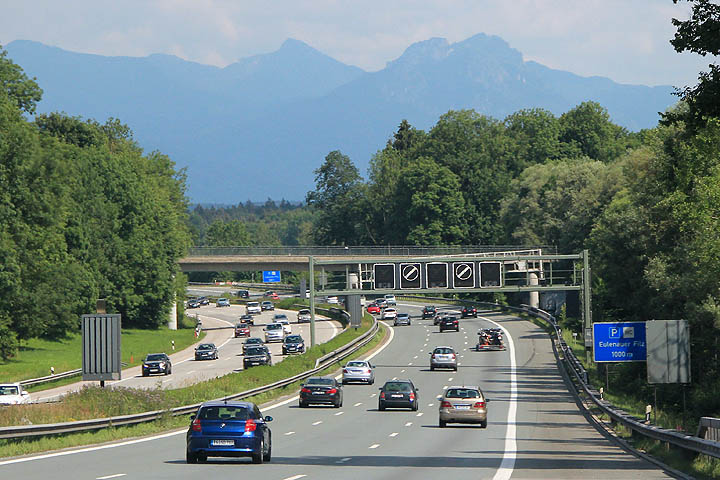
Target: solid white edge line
[[169, 434], [508, 462]]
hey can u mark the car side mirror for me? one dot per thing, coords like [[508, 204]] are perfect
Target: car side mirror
[[487, 400], [380, 388], [268, 418], [24, 393], [192, 417]]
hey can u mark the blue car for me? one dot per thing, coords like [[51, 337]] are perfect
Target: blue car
[[228, 429]]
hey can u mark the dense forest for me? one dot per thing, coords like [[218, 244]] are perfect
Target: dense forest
[[84, 214]]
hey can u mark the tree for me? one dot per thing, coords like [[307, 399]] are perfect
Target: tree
[[227, 234], [21, 90], [586, 130], [536, 134], [699, 34], [337, 194]]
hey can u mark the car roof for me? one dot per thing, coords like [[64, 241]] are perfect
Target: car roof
[[400, 380], [466, 387], [233, 403], [443, 346]]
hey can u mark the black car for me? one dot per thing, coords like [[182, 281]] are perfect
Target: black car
[[206, 351], [247, 319], [469, 311], [429, 312], [204, 301], [256, 355], [228, 429], [243, 294], [398, 394], [267, 305], [193, 303], [323, 390], [293, 344], [449, 323], [156, 363], [252, 342]]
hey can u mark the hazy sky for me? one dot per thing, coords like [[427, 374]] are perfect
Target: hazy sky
[[625, 40]]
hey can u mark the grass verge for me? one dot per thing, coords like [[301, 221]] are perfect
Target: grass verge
[[94, 399]]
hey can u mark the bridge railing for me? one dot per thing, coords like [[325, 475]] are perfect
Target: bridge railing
[[388, 250]]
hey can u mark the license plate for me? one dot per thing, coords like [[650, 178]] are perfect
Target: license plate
[[462, 407], [397, 396], [222, 443], [319, 392]]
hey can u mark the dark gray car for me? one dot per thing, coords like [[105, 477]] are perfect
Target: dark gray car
[[206, 351]]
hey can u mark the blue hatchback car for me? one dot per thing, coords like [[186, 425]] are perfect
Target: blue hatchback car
[[229, 429]]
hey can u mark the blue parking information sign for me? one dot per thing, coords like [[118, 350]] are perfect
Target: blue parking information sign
[[619, 342], [271, 276]]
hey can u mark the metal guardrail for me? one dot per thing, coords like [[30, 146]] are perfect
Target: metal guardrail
[[50, 378], [710, 447], [25, 431]]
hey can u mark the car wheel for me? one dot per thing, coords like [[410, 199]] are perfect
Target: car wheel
[[190, 457], [268, 456], [414, 407], [302, 404], [258, 457], [372, 382], [144, 374], [344, 382], [381, 407], [202, 458], [432, 369], [483, 424], [455, 369], [338, 405], [443, 424]]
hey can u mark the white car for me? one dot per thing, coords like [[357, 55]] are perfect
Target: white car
[[390, 299], [253, 308], [13, 394], [303, 316], [389, 314], [333, 300], [274, 332], [282, 319]]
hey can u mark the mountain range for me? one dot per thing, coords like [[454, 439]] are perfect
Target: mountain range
[[257, 128]]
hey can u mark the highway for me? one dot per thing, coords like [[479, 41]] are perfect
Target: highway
[[219, 323], [535, 429]]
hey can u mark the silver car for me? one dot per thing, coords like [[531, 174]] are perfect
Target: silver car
[[358, 371], [463, 405], [274, 332], [443, 357]]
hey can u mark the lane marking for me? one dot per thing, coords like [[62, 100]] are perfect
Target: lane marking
[[289, 433], [111, 476], [430, 404], [445, 387], [450, 379], [357, 404], [294, 477], [373, 395], [408, 424], [409, 364], [191, 371], [394, 434], [374, 445], [508, 462], [339, 413], [420, 414], [317, 423], [415, 357], [402, 371], [343, 460]]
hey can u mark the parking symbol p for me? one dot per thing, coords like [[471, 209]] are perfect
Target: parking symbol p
[[614, 332]]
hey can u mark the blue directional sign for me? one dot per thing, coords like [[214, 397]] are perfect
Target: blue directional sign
[[619, 342], [271, 276]]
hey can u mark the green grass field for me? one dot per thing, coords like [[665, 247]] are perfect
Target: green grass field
[[36, 356]]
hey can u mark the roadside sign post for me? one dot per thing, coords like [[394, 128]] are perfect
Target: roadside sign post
[[619, 342]]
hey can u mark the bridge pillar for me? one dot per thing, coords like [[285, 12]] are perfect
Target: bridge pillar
[[534, 296]]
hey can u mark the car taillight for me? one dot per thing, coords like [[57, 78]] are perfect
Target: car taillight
[[196, 426], [453, 355], [332, 391], [345, 370], [382, 395], [250, 425], [445, 405], [367, 370], [479, 405], [305, 390], [412, 396]]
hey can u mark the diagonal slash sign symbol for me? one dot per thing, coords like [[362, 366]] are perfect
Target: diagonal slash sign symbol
[[410, 272], [463, 271]]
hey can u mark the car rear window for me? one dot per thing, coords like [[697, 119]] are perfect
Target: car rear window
[[356, 364], [206, 346], [255, 351], [274, 326], [320, 381], [443, 350], [462, 393], [223, 412], [250, 341], [155, 357], [397, 387]]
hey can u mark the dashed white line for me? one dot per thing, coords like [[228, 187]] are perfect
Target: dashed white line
[[409, 364], [420, 414], [373, 395], [357, 404], [408, 424], [374, 445], [339, 413], [425, 345], [317, 423], [430, 404], [289, 433], [415, 357], [191, 371], [394, 434], [445, 387], [111, 476], [450, 379], [402, 371], [343, 460], [294, 477]]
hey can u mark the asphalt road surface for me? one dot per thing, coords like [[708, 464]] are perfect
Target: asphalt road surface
[[535, 429], [218, 323]]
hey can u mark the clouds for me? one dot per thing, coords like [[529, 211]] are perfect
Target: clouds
[[626, 41]]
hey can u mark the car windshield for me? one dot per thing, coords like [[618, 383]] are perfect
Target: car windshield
[[255, 351], [274, 326], [462, 393], [9, 390], [443, 350], [253, 304], [293, 339], [304, 312], [155, 357], [356, 364], [397, 387], [223, 412], [404, 315], [206, 346], [320, 381]]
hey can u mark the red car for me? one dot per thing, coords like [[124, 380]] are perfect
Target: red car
[[242, 330], [271, 294], [374, 308]]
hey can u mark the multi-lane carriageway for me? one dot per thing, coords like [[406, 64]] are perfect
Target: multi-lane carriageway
[[535, 429]]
